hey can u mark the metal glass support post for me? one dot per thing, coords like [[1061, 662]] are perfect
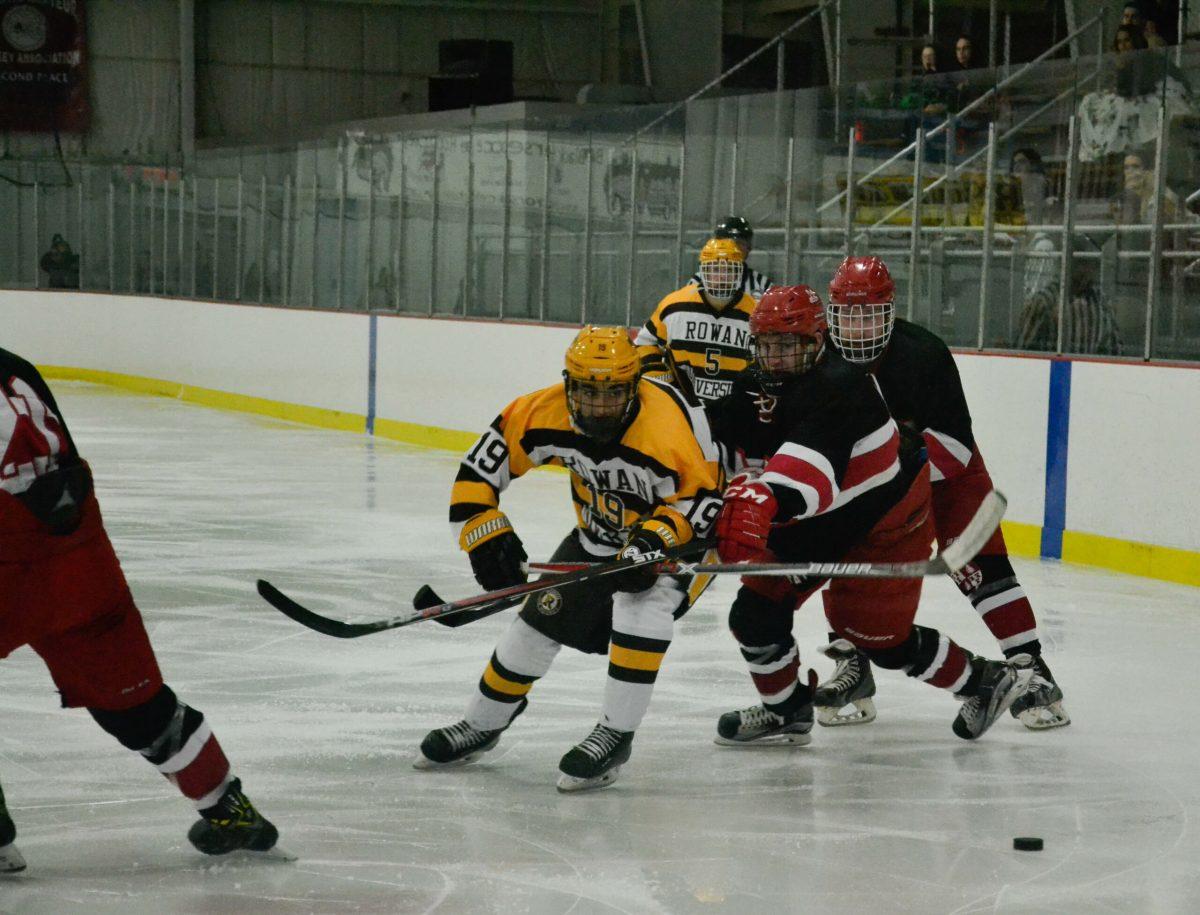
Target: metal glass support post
[[469, 254], [587, 236], [631, 275], [504, 217], [1156, 244], [992, 34], [914, 242], [195, 230], [80, 202], [1181, 31], [37, 233], [989, 229], [544, 271], [166, 239], [150, 239], [789, 190], [401, 234], [262, 238], [371, 236], [216, 238], [1066, 265], [948, 183], [343, 153], [837, 61], [179, 242], [679, 203], [931, 20], [851, 147], [132, 226], [285, 273], [237, 250], [312, 261], [112, 237], [733, 173], [434, 221]]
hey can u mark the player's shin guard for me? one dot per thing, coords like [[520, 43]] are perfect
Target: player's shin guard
[[176, 740], [929, 656], [522, 656], [991, 585]]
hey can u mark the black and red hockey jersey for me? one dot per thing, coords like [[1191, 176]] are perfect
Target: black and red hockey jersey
[[43, 481], [827, 447], [920, 383]]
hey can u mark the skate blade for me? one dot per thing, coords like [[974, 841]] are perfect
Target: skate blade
[[11, 861], [274, 855], [567, 784], [775, 741], [424, 762], [1045, 717], [864, 713]]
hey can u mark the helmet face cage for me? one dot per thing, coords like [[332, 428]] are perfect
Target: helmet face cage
[[600, 409], [722, 278], [861, 331]]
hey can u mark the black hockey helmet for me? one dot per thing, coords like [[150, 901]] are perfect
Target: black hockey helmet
[[737, 228]]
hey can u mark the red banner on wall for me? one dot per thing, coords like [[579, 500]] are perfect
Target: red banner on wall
[[43, 81]]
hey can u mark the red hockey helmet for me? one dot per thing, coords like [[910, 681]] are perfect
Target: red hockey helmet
[[862, 308], [787, 333]]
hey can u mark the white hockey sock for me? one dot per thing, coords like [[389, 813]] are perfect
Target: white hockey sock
[[522, 656], [642, 628]]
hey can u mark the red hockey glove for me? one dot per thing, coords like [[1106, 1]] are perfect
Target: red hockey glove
[[745, 522]]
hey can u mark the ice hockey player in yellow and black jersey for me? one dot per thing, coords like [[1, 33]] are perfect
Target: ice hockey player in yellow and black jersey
[[699, 334], [645, 475]]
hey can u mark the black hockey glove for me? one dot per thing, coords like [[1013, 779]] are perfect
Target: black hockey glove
[[648, 536], [496, 554]]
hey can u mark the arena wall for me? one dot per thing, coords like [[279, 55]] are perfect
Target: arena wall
[[1097, 458]]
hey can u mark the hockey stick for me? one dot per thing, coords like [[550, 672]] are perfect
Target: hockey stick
[[961, 551], [425, 609]]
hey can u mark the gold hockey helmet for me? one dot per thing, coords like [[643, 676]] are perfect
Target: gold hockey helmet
[[721, 266], [601, 377]]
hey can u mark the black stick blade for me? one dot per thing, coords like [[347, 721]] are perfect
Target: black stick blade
[[315, 621]]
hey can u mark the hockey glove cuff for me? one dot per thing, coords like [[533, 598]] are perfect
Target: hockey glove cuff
[[745, 522], [496, 553]]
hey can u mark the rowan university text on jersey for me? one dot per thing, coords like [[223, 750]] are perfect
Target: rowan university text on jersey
[[708, 348], [665, 463], [921, 385], [828, 449]]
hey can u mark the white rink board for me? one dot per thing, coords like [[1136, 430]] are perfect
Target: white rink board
[[1135, 453], [458, 374]]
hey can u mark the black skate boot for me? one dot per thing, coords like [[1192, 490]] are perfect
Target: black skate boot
[[1040, 707], [1000, 684], [460, 743], [758, 726], [596, 760], [231, 824], [10, 856], [852, 683]]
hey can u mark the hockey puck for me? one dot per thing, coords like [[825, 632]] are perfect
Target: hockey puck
[[1027, 843]]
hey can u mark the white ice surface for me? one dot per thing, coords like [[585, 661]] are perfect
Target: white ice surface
[[897, 816]]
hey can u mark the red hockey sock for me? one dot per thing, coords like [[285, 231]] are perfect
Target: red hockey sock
[[991, 585]]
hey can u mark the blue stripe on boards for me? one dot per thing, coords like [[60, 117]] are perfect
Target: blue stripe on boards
[[372, 350], [1058, 427]]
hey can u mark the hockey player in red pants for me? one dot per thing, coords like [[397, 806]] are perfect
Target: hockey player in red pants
[[827, 478], [62, 593], [919, 381]]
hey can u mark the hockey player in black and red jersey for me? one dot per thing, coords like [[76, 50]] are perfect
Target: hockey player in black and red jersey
[[696, 336], [738, 230], [919, 381], [645, 475], [825, 477], [63, 594]]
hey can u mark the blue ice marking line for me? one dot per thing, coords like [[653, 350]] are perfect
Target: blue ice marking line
[[372, 351], [1058, 430]]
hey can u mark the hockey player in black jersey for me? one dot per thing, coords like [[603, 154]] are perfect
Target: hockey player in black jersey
[[825, 476], [919, 381]]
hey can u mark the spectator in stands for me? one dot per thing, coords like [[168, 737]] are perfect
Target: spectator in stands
[[1136, 203], [61, 265], [1150, 33], [1029, 172], [933, 90], [1131, 16], [963, 51]]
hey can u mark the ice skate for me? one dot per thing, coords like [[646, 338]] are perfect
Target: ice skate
[[852, 684], [760, 727], [233, 824], [1040, 707], [10, 856], [460, 743], [1001, 684], [596, 760]]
